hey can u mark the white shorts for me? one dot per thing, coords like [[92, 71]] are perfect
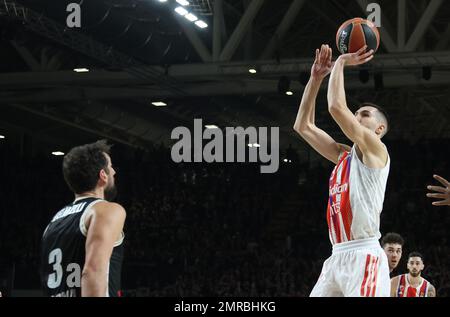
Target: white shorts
[[355, 269]]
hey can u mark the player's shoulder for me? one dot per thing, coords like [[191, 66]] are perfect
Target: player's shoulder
[[109, 207], [429, 283], [395, 278]]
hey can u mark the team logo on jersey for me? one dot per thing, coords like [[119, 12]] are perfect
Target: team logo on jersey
[[335, 209], [338, 189]]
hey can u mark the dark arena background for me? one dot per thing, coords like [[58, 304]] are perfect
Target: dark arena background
[[219, 229]]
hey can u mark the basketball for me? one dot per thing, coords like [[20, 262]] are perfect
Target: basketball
[[355, 33]]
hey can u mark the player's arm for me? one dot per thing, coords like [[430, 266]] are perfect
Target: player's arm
[[105, 227], [366, 140], [305, 122], [431, 291], [394, 284]]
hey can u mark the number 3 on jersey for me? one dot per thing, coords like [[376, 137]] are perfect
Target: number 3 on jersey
[[54, 279]]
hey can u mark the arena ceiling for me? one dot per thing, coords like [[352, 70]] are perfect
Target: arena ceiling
[[140, 51]]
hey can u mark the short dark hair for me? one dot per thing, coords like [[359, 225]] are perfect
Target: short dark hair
[[392, 238], [381, 111], [82, 165], [415, 255]]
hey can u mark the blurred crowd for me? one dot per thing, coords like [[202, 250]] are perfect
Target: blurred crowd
[[215, 230]]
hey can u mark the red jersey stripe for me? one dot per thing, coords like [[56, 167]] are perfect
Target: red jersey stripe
[[366, 273]]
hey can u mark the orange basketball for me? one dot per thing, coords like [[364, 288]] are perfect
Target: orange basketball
[[355, 33]]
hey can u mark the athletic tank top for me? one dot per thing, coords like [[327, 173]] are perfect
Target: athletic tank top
[[63, 252], [356, 196], [404, 289]]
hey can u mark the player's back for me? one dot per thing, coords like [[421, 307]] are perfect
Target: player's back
[[63, 252]]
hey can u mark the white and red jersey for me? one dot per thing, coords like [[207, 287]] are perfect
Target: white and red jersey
[[356, 196], [404, 289]]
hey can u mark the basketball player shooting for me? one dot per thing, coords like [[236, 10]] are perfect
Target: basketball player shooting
[[358, 266], [82, 247]]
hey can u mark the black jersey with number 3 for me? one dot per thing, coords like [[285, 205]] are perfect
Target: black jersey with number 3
[[63, 253]]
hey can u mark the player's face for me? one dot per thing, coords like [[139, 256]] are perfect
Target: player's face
[[394, 254], [415, 266], [366, 116], [110, 189]]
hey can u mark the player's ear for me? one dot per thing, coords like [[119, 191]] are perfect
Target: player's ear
[[103, 175]]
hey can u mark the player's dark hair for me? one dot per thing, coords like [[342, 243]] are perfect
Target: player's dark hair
[[415, 255], [82, 165], [392, 238]]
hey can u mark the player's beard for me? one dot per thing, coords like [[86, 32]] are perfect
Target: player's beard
[[110, 192], [415, 274]]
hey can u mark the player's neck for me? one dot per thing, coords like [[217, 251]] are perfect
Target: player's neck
[[414, 281], [97, 193]]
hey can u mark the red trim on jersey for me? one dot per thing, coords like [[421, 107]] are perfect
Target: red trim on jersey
[[401, 286], [366, 273], [423, 289], [409, 291], [375, 279], [346, 211], [412, 292], [343, 208], [369, 284]]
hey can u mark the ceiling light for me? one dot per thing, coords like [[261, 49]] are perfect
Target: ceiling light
[[81, 70], [191, 17], [159, 104], [181, 11], [201, 24], [58, 153]]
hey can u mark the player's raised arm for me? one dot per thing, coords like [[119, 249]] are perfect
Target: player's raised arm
[[305, 121], [367, 140]]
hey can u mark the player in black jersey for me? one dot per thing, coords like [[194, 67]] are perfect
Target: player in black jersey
[[82, 247]]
